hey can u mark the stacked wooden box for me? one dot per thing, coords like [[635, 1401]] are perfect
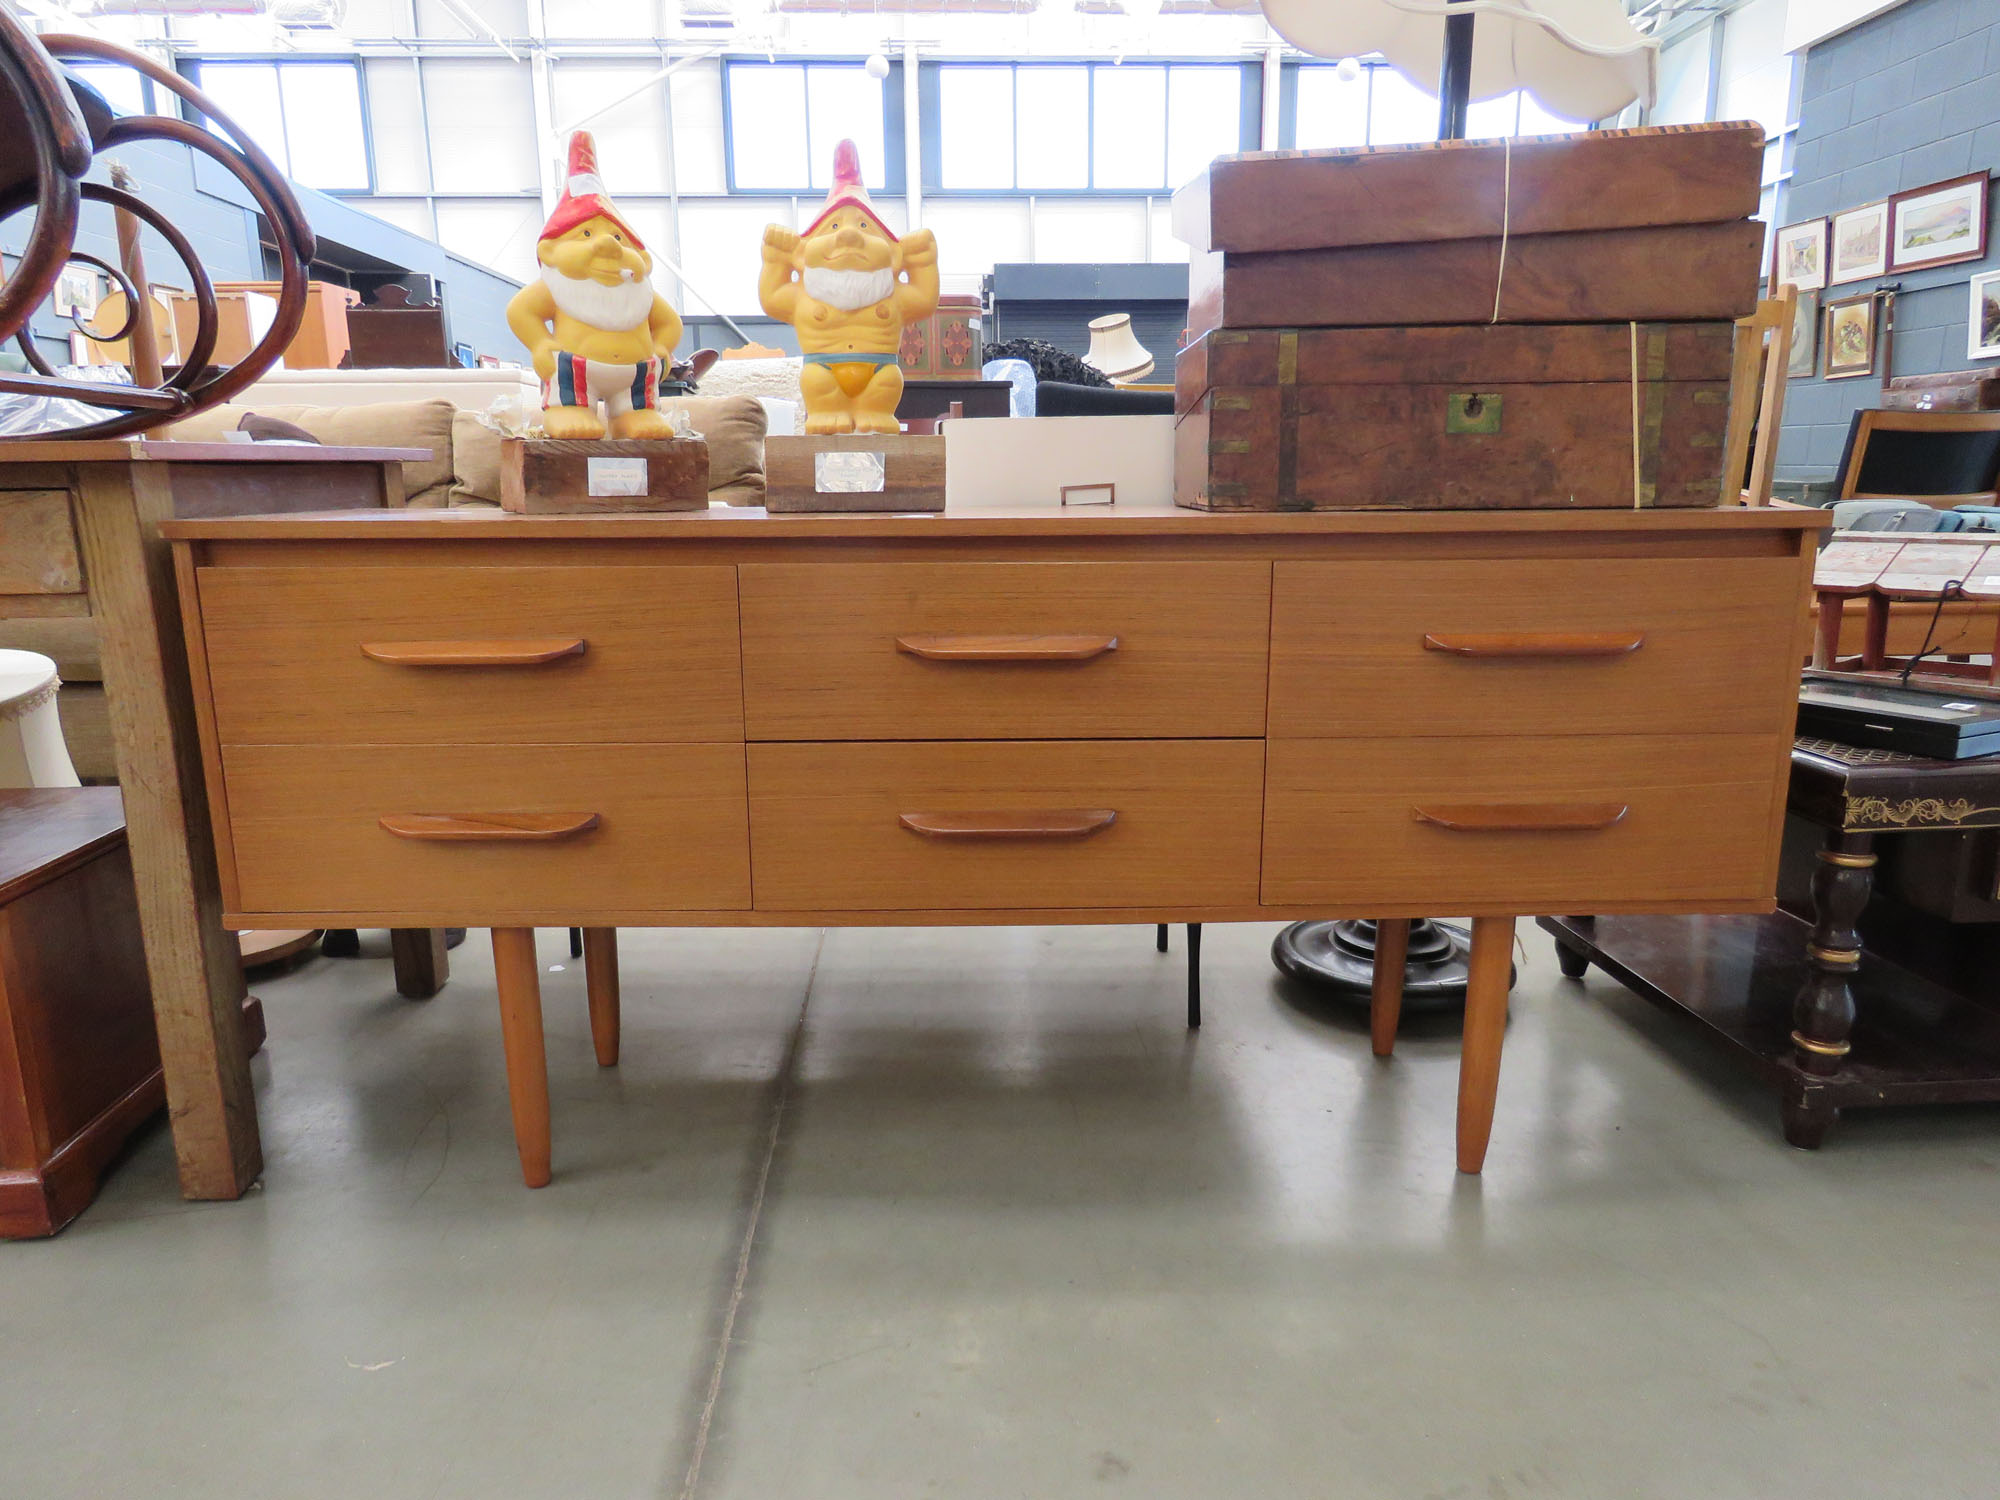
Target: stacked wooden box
[[1539, 323]]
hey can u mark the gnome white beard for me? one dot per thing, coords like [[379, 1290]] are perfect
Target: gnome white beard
[[597, 305], [848, 290]]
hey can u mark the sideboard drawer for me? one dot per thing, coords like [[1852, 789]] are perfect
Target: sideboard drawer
[[1542, 825], [929, 650], [1024, 825], [473, 655], [1534, 646], [610, 827]]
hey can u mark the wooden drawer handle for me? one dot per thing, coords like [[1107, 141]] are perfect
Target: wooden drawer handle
[[1538, 643], [529, 653], [1522, 817], [1059, 823], [487, 828], [1006, 647]]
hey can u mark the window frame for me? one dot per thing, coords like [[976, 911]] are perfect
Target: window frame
[[1288, 104], [893, 137], [930, 86], [190, 67]]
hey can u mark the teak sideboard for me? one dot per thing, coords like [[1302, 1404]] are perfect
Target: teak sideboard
[[425, 719]]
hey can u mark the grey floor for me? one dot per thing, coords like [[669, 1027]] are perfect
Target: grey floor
[[969, 1214]]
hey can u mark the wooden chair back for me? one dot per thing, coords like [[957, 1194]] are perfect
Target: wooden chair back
[[1757, 399], [1944, 458]]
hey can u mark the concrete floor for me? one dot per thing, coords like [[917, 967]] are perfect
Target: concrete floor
[[895, 1214]]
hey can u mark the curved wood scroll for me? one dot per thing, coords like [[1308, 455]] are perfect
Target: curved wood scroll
[[1539, 643], [526, 653], [1056, 823], [486, 828], [1006, 647], [1522, 817]]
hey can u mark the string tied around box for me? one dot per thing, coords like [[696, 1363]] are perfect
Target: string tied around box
[[1506, 220]]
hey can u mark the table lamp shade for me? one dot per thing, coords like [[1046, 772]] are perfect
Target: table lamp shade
[[1580, 58], [1116, 351]]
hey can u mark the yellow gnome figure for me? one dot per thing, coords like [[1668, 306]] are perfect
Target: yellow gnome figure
[[848, 285], [598, 332]]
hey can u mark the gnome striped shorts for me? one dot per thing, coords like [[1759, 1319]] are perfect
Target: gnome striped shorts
[[577, 381]]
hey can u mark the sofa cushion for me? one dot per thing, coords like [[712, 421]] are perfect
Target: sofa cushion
[[386, 424], [733, 426]]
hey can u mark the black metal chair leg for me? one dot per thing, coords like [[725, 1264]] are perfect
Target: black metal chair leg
[[576, 942], [1194, 975], [1160, 937]]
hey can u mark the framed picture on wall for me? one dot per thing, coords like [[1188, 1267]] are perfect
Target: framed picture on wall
[[1798, 256], [1939, 224], [1983, 335], [1804, 363], [1860, 244], [1850, 337]]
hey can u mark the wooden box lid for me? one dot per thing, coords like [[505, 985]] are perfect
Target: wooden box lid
[[1453, 190]]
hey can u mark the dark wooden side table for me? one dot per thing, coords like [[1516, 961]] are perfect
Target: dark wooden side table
[[1829, 1025], [79, 1057]]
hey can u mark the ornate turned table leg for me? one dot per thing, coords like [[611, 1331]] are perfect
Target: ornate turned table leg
[[527, 1058], [1823, 1013], [1385, 1000], [1485, 1028], [600, 975]]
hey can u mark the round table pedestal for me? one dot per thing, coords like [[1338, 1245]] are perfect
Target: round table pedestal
[[1340, 957]]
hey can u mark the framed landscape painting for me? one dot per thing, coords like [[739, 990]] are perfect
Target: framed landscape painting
[[1860, 244], [1850, 337], [1939, 224], [1983, 338], [1799, 256]]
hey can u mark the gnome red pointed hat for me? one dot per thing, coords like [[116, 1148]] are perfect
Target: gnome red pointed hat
[[583, 195], [848, 189]]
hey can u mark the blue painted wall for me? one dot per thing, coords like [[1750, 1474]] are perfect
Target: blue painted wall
[[1909, 98]]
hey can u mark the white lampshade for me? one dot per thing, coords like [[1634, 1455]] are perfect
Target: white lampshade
[[1580, 58], [1115, 350]]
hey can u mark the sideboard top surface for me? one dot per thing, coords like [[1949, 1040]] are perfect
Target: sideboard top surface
[[733, 523]]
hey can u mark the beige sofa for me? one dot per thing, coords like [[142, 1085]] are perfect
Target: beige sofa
[[463, 470]]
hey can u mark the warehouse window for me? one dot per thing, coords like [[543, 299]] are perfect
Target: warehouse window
[[1079, 127], [1380, 107], [786, 118], [307, 116]]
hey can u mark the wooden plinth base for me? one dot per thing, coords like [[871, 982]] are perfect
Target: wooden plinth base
[[554, 476], [1914, 1041], [912, 476], [37, 1202]]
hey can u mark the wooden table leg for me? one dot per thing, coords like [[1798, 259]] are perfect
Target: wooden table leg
[[422, 965], [1823, 1013], [520, 988], [1385, 1003], [600, 975], [1492, 974], [194, 967]]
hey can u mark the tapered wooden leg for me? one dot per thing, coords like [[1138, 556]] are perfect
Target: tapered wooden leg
[[527, 1060], [1194, 976], [419, 958], [1385, 1003], [1485, 1028], [1160, 937], [600, 973]]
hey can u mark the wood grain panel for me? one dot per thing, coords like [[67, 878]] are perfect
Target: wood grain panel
[[38, 553], [1348, 653], [285, 653], [1341, 823], [827, 830], [307, 827], [821, 657]]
